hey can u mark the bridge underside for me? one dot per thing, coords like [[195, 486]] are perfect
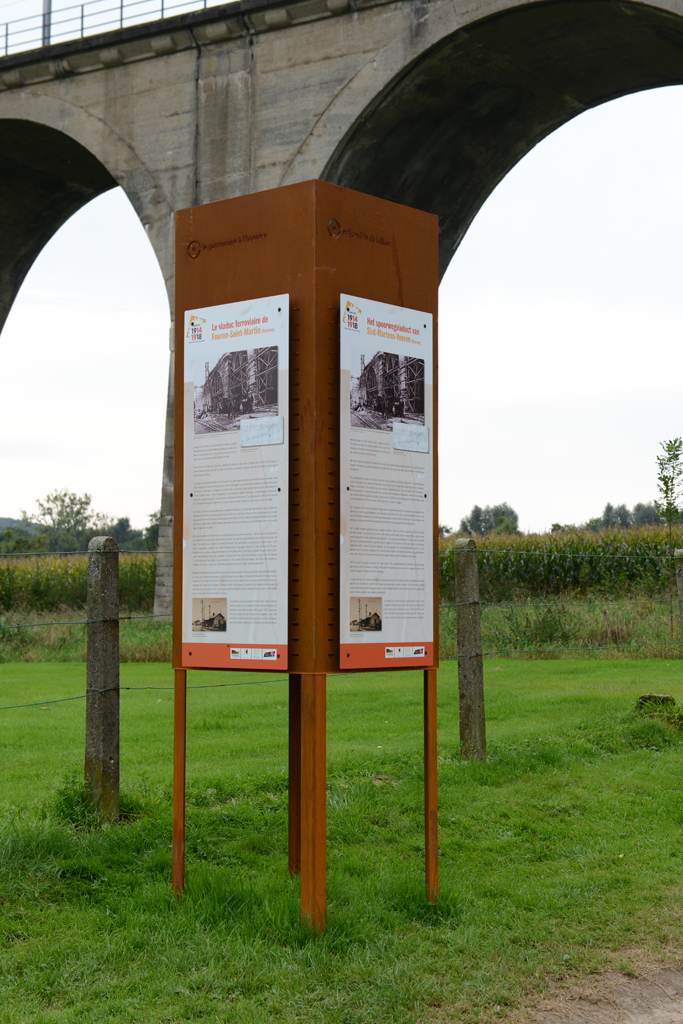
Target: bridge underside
[[449, 127], [45, 177]]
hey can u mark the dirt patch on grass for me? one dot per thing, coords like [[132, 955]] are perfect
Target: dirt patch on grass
[[637, 990], [644, 991]]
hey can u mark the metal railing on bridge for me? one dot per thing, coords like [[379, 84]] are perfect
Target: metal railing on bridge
[[87, 19]]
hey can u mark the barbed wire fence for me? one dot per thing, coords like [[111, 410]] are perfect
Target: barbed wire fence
[[466, 561], [103, 688], [548, 605], [467, 646]]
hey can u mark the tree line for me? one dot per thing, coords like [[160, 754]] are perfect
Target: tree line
[[66, 521]]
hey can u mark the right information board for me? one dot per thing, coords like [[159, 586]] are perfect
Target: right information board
[[387, 552]]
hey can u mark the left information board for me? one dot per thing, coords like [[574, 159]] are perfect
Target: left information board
[[236, 482]]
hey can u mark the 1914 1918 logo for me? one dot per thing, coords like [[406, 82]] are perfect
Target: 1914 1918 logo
[[195, 327], [350, 317]]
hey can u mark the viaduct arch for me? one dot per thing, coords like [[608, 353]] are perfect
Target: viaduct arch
[[425, 102]]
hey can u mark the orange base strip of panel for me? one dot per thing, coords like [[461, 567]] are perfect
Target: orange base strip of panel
[[261, 659], [179, 740], [431, 807], [313, 800], [389, 655]]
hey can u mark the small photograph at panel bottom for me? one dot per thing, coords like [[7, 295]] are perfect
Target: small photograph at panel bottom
[[366, 615], [209, 614]]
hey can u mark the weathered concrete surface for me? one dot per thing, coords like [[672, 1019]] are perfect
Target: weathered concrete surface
[[102, 678], [425, 102], [471, 662]]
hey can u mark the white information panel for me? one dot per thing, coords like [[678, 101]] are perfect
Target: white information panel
[[387, 596], [235, 494]]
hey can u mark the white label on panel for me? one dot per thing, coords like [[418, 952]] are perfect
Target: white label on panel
[[268, 430], [409, 437]]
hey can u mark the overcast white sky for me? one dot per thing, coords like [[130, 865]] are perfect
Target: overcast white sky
[[560, 330]]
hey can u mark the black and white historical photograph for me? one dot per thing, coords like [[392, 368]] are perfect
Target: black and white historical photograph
[[209, 614], [385, 388], [366, 614], [241, 385]]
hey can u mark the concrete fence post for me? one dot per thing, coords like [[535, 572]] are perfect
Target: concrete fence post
[[678, 559], [102, 674], [470, 664]]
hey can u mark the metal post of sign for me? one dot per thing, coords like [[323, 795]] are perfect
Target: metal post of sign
[[307, 793], [313, 800], [179, 747], [294, 786], [430, 781]]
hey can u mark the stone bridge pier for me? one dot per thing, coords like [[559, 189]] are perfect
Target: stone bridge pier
[[424, 102]]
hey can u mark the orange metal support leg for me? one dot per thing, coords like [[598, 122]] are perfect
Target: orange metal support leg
[[294, 787], [431, 806], [313, 800], [179, 739]]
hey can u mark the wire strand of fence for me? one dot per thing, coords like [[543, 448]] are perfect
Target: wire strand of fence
[[279, 677], [481, 552], [87, 622], [94, 693], [562, 650], [555, 604], [553, 553], [455, 604], [57, 700], [35, 554]]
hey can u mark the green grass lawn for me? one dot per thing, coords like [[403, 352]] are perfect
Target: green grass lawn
[[560, 850]]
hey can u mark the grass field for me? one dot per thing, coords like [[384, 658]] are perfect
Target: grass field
[[559, 851]]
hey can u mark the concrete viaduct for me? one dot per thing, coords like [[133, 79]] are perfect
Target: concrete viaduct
[[425, 102]]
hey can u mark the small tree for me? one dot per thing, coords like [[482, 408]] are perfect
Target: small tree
[[64, 510], [485, 520], [669, 506], [67, 519], [152, 531], [644, 515]]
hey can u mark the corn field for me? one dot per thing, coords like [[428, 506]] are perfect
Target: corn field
[[609, 562], [53, 581]]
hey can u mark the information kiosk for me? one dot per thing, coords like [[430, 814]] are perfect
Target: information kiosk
[[305, 502]]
